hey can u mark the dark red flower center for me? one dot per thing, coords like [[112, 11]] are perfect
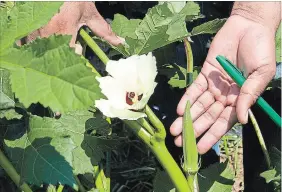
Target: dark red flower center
[[132, 98]]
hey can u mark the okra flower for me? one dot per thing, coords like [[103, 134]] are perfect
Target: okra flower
[[129, 86]]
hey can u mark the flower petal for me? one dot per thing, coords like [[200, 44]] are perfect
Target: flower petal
[[125, 71], [113, 90], [108, 110], [147, 70]]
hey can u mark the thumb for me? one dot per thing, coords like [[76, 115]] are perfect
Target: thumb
[[101, 28], [252, 89]]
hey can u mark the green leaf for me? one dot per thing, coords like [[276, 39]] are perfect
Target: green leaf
[[209, 27], [158, 28], [52, 150], [216, 178], [124, 27], [162, 182], [278, 44], [7, 103], [176, 74], [7, 96], [24, 18], [270, 175], [53, 75], [9, 114], [174, 6]]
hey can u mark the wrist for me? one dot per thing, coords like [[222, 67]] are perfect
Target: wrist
[[267, 14]]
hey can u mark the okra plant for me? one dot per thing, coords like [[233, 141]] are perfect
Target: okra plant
[[47, 76]]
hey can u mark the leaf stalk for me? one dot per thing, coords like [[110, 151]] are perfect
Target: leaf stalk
[[12, 173]]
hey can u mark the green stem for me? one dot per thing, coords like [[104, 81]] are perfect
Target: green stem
[[139, 131], [80, 186], [98, 179], [260, 138], [146, 125], [93, 45], [12, 173], [190, 62], [156, 143], [60, 188], [170, 166], [163, 155], [160, 129]]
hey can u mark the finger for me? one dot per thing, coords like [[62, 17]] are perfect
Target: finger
[[201, 105], [101, 28], [225, 121], [178, 141], [206, 120], [197, 88], [252, 89], [176, 127], [258, 61]]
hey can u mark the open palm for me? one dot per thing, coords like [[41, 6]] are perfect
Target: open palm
[[216, 101]]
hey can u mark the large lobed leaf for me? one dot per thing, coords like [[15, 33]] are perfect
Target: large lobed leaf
[[161, 26], [209, 27], [216, 178], [23, 19], [177, 74], [49, 72], [7, 103], [52, 151], [162, 182]]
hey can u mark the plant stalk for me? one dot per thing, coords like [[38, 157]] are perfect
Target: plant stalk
[[146, 125], [80, 186], [260, 138], [160, 129], [60, 188], [190, 62], [168, 163], [155, 142], [93, 45], [12, 173], [98, 179]]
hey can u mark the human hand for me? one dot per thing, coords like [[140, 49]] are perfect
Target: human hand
[[72, 16], [216, 101]]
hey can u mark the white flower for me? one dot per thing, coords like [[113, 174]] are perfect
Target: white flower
[[129, 86]]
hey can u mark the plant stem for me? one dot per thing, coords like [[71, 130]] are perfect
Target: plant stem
[[156, 142], [98, 179], [139, 131], [170, 166], [60, 188], [93, 45], [190, 63], [80, 186], [146, 125], [260, 138], [162, 154], [12, 173], [160, 129]]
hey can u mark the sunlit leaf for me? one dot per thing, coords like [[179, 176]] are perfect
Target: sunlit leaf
[[158, 28], [23, 19], [162, 182], [209, 27], [52, 150], [216, 178], [177, 75], [270, 175], [53, 75]]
